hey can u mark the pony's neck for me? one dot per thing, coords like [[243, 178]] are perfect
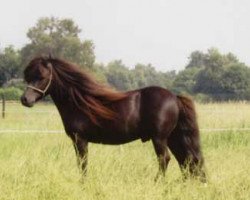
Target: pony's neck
[[77, 92], [62, 101]]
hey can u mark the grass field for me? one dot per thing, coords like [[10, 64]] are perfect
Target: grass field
[[43, 166]]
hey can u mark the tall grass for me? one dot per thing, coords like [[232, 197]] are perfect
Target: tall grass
[[43, 166]]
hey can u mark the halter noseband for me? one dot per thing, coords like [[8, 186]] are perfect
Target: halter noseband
[[46, 88]]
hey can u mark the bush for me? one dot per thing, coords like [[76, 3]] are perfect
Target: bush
[[15, 83], [203, 98], [11, 93]]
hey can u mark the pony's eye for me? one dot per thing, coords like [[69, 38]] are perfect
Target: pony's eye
[[38, 78]]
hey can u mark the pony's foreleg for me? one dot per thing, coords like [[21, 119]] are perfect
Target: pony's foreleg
[[162, 153], [81, 148]]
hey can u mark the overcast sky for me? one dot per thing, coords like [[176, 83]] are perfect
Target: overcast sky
[[160, 32]]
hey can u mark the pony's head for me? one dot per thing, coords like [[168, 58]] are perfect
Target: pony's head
[[59, 78], [38, 76]]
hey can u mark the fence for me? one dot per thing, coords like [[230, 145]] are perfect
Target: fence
[[54, 113], [3, 106], [62, 131]]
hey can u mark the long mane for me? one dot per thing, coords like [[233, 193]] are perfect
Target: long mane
[[89, 96]]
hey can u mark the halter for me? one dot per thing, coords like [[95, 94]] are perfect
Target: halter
[[45, 89]]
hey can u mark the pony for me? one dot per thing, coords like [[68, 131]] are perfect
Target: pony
[[94, 112]]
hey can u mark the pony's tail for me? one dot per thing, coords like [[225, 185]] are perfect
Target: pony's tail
[[185, 139]]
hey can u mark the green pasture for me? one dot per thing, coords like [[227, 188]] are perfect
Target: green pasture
[[39, 165]]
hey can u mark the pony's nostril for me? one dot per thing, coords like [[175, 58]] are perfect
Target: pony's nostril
[[24, 100]]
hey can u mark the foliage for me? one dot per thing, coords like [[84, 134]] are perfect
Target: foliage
[[123, 78], [207, 76], [197, 59], [11, 93], [9, 64], [118, 75], [186, 80], [202, 98], [221, 77], [61, 38], [146, 75]]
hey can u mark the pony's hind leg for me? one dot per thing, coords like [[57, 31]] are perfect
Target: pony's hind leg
[[188, 154], [184, 142], [162, 153]]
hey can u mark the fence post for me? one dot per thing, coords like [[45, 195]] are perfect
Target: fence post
[[3, 106]]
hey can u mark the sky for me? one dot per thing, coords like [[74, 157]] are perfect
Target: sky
[[160, 32]]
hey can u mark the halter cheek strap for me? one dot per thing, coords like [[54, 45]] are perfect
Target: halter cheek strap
[[43, 92]]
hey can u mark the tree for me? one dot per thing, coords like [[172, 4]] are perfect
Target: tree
[[9, 65], [208, 82], [139, 77], [223, 77], [212, 59], [123, 78], [118, 75], [197, 59], [235, 82], [186, 80], [167, 79], [146, 75], [61, 38]]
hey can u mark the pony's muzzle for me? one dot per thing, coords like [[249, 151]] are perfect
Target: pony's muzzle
[[26, 102]]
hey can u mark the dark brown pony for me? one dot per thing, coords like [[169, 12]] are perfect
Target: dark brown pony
[[92, 112]]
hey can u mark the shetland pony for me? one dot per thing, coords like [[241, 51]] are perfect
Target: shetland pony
[[93, 112]]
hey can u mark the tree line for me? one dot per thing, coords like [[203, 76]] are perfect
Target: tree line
[[208, 76]]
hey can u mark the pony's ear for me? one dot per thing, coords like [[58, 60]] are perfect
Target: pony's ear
[[47, 63]]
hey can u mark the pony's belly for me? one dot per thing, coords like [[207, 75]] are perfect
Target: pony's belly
[[113, 139]]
